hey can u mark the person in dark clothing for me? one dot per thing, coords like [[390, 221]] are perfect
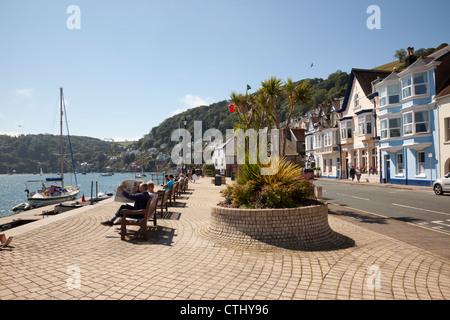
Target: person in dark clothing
[[352, 173], [140, 202]]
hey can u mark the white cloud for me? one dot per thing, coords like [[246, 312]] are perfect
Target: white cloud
[[25, 92], [192, 101]]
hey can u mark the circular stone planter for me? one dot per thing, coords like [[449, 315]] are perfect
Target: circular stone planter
[[303, 228]]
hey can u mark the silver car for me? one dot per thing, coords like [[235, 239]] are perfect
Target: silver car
[[442, 185]]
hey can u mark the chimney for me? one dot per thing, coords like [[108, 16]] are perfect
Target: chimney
[[410, 57]]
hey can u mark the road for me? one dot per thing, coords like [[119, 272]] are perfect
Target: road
[[418, 206]]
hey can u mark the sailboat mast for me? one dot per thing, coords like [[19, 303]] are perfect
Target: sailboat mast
[[61, 138]]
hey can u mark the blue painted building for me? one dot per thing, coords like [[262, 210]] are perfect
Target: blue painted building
[[408, 123]]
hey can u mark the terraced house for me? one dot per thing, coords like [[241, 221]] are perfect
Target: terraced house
[[358, 126], [408, 119]]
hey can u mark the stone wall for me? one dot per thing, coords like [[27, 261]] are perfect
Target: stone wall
[[304, 228]]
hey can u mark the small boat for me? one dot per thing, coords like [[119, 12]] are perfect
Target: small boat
[[21, 207], [57, 192], [140, 175], [107, 174]]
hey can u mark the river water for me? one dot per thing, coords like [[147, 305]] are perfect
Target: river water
[[12, 187]]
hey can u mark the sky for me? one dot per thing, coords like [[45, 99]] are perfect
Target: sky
[[126, 66]]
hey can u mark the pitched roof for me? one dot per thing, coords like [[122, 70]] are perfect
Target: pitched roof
[[298, 133], [438, 54], [365, 78], [444, 92]]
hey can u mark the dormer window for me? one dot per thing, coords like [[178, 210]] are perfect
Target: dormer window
[[414, 84]]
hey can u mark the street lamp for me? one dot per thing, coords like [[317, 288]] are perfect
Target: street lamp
[[184, 124], [430, 155]]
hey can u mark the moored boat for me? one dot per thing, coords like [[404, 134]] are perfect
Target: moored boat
[[57, 192]]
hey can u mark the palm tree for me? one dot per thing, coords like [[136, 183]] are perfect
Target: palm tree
[[272, 90], [297, 94]]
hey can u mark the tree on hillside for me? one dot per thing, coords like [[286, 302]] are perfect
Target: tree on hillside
[[400, 54]]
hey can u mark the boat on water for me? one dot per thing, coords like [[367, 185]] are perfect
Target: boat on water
[[139, 175], [53, 190], [107, 174]]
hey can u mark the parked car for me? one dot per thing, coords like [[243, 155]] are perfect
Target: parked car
[[442, 185], [309, 173]]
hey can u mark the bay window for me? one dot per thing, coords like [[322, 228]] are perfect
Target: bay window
[[416, 122], [346, 129], [390, 128], [389, 95], [414, 84], [365, 124]]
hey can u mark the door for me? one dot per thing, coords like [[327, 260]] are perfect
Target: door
[[388, 169]]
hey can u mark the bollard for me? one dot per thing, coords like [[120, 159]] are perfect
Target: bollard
[[318, 192]]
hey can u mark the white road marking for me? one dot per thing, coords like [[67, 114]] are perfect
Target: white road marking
[[346, 195], [441, 223], [402, 205], [360, 198]]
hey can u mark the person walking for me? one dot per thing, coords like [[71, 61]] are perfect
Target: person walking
[[352, 173]]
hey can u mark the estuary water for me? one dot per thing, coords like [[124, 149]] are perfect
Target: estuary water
[[12, 187]]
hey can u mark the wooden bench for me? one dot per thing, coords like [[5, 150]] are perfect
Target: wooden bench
[[163, 198], [149, 213], [177, 190]]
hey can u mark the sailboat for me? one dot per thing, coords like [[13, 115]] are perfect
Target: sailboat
[[53, 189], [140, 175]]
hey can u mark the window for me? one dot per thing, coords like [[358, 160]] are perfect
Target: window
[[420, 83], [390, 95], [420, 162], [365, 124], [356, 100], [421, 120], [447, 129], [407, 123], [364, 158], [414, 84], [399, 158], [346, 129], [355, 158], [327, 139], [384, 129], [395, 125], [374, 157], [417, 124], [390, 128]]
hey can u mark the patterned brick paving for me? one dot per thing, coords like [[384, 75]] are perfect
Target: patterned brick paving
[[181, 260]]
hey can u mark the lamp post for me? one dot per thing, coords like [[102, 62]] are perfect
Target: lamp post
[[184, 125], [430, 155]]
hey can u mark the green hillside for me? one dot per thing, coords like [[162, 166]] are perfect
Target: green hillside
[[29, 153], [218, 116]]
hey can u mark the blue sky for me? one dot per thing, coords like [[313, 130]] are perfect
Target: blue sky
[[134, 63]]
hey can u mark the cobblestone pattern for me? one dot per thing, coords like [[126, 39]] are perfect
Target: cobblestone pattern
[[77, 258]]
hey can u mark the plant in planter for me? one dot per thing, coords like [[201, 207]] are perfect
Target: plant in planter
[[286, 189]]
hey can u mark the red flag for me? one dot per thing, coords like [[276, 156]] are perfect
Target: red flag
[[231, 107]]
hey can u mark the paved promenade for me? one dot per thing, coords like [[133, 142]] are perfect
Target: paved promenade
[[72, 256]]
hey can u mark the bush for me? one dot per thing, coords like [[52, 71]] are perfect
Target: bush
[[287, 188]]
